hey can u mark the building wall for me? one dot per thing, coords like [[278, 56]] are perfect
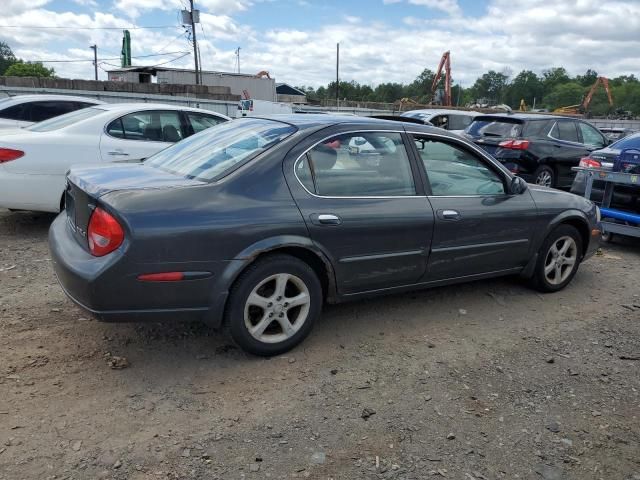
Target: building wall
[[258, 88], [292, 98]]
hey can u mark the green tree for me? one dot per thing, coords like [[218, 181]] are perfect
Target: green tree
[[588, 78], [491, 86], [7, 58], [565, 94], [554, 76], [21, 69], [526, 85]]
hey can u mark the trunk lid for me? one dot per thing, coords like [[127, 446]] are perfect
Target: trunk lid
[[85, 185]]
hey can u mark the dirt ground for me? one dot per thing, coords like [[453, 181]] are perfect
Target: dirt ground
[[483, 381]]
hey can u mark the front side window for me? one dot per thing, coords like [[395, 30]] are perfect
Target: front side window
[[200, 121], [363, 164], [453, 171], [590, 136], [220, 149], [459, 122]]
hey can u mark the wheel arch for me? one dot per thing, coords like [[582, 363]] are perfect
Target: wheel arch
[[299, 247], [576, 219]]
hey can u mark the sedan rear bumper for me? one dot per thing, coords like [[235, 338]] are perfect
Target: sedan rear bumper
[[108, 287]]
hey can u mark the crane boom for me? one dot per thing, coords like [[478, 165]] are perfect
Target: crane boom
[[445, 62], [605, 84]]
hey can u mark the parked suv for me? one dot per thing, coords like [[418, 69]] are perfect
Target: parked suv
[[542, 149]]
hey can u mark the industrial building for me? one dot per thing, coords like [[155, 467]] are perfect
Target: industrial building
[[246, 85], [288, 94]]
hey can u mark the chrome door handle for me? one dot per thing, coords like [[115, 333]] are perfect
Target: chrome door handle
[[122, 154], [449, 214], [325, 219]]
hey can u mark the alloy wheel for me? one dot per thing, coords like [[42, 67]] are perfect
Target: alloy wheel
[[544, 179], [560, 260], [277, 308]]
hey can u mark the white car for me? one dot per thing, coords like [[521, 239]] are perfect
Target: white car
[[35, 160], [25, 110], [453, 120]]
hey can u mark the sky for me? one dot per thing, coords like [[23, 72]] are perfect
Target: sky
[[295, 40]]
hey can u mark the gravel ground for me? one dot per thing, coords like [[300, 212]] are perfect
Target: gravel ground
[[488, 380]]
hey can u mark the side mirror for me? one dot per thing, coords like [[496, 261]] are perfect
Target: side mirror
[[518, 186]]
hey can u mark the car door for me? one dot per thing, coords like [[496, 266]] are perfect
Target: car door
[[590, 137], [479, 226], [369, 215], [567, 150], [138, 135]]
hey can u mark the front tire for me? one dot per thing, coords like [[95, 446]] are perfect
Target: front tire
[[273, 305], [558, 259]]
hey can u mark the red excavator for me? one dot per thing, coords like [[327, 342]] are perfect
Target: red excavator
[[584, 106], [445, 62]]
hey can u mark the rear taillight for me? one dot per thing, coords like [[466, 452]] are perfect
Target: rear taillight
[[8, 154], [104, 233], [587, 162], [514, 144]]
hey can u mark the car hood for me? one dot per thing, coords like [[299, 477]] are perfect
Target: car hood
[[98, 180]]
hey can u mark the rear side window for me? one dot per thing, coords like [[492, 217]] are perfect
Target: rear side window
[[364, 164], [16, 112], [498, 127], [41, 111], [151, 126], [565, 130]]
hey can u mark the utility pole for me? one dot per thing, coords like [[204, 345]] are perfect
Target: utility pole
[[337, 74], [95, 59], [195, 42], [238, 55]]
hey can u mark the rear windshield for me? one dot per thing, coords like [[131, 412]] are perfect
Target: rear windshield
[[212, 153], [65, 120], [632, 141], [495, 127]]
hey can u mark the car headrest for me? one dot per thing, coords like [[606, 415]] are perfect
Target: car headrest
[[170, 134], [323, 157]]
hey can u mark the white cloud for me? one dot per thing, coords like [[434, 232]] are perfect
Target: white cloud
[[516, 34], [448, 6]]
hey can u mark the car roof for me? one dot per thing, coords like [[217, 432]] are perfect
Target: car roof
[[440, 111], [17, 99], [304, 121], [526, 116], [134, 106]]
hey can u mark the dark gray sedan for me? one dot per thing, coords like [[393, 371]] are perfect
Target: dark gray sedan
[[254, 224]]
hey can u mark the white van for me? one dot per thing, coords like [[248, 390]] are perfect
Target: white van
[[248, 108]]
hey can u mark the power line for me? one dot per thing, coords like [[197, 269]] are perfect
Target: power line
[[149, 66], [89, 28], [115, 58]]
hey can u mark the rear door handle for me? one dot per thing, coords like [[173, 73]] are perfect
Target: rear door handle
[[449, 215], [118, 154], [325, 219]]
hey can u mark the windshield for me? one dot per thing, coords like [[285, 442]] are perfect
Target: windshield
[[499, 127], [632, 141], [65, 120], [210, 154]]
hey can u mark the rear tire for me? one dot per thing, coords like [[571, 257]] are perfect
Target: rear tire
[[273, 305], [544, 176], [558, 259], [607, 237]]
